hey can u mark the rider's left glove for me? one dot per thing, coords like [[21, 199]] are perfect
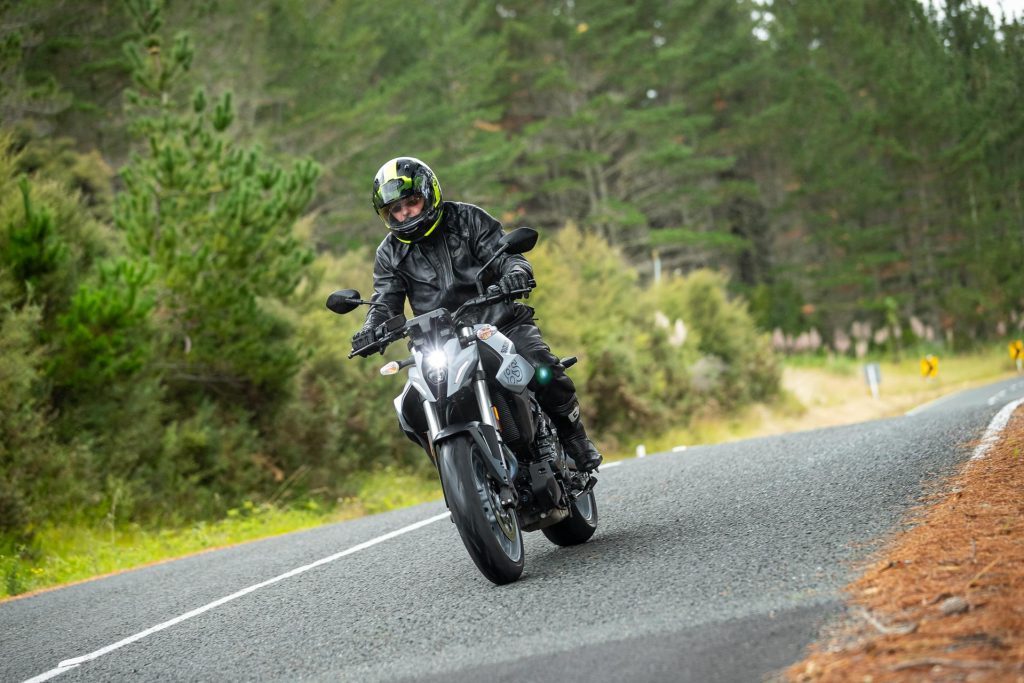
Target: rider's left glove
[[363, 339], [516, 281]]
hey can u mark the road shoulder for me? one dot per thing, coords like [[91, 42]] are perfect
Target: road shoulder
[[944, 599]]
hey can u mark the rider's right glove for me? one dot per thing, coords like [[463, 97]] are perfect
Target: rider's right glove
[[362, 339], [516, 281]]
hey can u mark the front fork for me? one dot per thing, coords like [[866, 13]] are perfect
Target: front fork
[[506, 475], [483, 400], [485, 406]]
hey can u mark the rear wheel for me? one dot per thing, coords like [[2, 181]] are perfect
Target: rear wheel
[[579, 526], [490, 532]]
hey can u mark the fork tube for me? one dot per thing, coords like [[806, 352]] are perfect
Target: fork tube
[[432, 424], [483, 397]]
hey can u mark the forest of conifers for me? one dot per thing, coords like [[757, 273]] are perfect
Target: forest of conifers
[[181, 185]]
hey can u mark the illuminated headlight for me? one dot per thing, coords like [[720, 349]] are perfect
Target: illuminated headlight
[[437, 367]]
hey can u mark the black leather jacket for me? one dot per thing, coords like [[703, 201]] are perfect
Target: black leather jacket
[[440, 270]]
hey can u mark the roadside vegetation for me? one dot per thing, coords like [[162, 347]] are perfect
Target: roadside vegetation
[[821, 391], [70, 551]]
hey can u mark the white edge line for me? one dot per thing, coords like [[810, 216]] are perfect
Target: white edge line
[[995, 427], [929, 404], [69, 664], [611, 465]]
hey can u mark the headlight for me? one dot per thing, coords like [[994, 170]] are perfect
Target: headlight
[[437, 367]]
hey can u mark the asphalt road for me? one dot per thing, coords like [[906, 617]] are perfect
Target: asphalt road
[[718, 563]]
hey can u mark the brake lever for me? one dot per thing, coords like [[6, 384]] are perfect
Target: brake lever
[[378, 345], [359, 352]]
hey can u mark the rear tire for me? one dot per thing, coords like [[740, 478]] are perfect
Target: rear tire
[[579, 526], [490, 533]]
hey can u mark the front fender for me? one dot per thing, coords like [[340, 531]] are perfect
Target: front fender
[[486, 438]]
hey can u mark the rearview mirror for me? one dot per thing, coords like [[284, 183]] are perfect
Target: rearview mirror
[[519, 241], [343, 301]]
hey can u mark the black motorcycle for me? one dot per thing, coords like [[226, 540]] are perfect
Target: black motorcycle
[[468, 404]]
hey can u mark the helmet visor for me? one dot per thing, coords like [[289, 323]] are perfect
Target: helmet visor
[[403, 212], [393, 189]]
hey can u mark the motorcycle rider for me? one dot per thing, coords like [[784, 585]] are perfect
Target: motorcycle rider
[[432, 254]]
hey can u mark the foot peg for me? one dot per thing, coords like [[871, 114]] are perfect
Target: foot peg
[[587, 488]]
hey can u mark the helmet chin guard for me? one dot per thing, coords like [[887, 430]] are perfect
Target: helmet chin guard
[[399, 179]]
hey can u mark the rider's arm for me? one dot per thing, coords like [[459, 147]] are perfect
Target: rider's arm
[[487, 232], [388, 288]]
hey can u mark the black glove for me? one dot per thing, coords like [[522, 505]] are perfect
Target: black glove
[[362, 339], [516, 281]]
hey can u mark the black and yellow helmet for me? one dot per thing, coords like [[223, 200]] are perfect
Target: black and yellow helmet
[[399, 179]]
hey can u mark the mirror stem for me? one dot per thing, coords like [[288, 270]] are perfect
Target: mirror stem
[[480, 275], [368, 303]]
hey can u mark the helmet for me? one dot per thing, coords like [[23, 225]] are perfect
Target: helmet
[[406, 177]]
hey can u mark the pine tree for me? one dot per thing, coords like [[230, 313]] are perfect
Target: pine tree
[[612, 127], [214, 221]]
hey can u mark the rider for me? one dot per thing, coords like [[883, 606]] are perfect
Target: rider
[[432, 254]]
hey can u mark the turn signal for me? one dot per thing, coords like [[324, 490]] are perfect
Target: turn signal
[[390, 369], [486, 332]]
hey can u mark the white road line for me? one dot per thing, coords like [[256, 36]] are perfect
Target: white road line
[[929, 404], [51, 673], [993, 399], [69, 664], [611, 465], [995, 427]]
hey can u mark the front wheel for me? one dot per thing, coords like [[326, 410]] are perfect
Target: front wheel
[[490, 532], [579, 526]]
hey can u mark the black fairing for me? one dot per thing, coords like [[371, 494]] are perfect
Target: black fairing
[[412, 411]]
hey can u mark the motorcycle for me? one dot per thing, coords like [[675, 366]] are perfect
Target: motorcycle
[[467, 402]]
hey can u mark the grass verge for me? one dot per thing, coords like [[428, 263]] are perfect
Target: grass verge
[[822, 392], [945, 599], [71, 553]]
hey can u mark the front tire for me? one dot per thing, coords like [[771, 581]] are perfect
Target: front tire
[[490, 532]]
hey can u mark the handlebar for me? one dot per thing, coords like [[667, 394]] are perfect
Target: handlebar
[[494, 297]]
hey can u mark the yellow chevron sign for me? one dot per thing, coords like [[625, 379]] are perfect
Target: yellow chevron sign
[[1017, 349], [930, 366]]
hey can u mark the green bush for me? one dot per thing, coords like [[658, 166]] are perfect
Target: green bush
[[634, 378], [737, 359]]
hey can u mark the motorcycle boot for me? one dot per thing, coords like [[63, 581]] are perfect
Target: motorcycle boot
[[575, 442]]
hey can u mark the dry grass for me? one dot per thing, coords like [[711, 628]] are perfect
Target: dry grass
[[944, 601], [831, 394]]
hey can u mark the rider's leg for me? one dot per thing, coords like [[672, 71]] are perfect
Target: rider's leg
[[556, 395]]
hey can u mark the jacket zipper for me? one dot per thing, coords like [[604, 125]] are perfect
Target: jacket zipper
[[450, 270]]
